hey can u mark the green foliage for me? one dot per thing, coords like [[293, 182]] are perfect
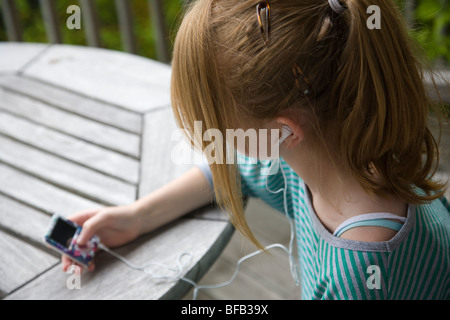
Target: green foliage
[[34, 29], [431, 27]]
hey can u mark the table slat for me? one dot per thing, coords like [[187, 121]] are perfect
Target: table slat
[[24, 262], [132, 82], [14, 56], [70, 124], [75, 103], [159, 152], [67, 175], [67, 147], [40, 194], [163, 162], [13, 216]]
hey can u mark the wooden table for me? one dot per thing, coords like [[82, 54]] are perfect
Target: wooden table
[[83, 128]]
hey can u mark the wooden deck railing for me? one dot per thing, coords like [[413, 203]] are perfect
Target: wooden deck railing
[[128, 36], [91, 24], [125, 18], [123, 8], [442, 82]]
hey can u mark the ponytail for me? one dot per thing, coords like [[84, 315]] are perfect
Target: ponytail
[[382, 107]]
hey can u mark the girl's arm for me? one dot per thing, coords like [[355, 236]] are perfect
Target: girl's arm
[[119, 225], [183, 195]]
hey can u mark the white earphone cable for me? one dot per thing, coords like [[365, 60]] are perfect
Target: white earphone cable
[[292, 261], [182, 268]]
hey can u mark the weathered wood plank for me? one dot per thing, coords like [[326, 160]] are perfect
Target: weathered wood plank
[[442, 136], [266, 276], [163, 162], [52, 26], [125, 16], [442, 81], [75, 178], [132, 82], [159, 23], [267, 273], [11, 18], [254, 288], [267, 222], [74, 103], [20, 262], [71, 124], [114, 280], [222, 237], [23, 221], [92, 22], [158, 159], [40, 194], [408, 12], [67, 147], [269, 226], [14, 56], [444, 177]]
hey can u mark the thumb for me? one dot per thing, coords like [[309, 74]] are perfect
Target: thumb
[[90, 228]]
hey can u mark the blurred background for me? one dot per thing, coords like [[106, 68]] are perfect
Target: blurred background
[[143, 21], [429, 22], [147, 28]]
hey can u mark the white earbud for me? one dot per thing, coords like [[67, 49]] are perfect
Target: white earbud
[[285, 133]]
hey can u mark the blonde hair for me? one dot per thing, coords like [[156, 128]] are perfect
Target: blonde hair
[[368, 89]]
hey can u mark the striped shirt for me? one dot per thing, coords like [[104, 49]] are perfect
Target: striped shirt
[[414, 264]]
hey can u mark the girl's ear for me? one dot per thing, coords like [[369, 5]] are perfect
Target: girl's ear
[[285, 133], [292, 132]]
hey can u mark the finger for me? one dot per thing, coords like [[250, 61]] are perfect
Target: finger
[[91, 268], [90, 228], [81, 216], [66, 263]]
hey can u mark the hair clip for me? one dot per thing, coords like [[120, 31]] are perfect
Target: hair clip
[[301, 81], [336, 6], [265, 29]]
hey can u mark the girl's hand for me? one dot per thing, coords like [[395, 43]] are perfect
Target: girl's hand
[[114, 226]]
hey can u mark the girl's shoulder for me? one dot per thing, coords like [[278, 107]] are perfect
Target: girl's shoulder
[[414, 264]]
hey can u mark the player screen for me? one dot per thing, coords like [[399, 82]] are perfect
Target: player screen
[[63, 233]]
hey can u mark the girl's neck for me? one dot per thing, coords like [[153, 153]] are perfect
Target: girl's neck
[[336, 194]]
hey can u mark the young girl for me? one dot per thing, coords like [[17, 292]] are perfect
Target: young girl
[[357, 157]]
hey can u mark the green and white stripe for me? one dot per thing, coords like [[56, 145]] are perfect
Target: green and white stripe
[[415, 264]]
